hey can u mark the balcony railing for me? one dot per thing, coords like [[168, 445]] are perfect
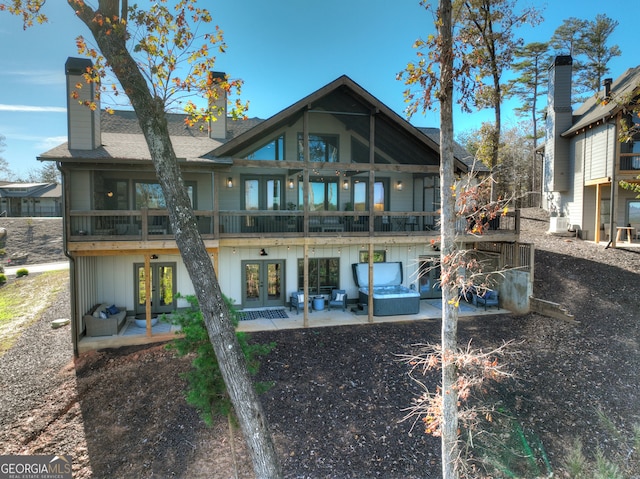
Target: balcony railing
[[148, 225], [630, 163]]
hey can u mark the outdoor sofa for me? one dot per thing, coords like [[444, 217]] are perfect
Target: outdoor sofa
[[103, 320]]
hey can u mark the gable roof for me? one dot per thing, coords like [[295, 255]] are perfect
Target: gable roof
[[123, 142], [30, 190], [595, 109], [352, 105]]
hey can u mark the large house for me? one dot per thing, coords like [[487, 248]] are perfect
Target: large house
[[284, 204], [30, 199], [585, 160]]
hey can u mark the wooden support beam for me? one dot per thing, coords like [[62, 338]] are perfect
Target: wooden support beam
[[306, 286], [147, 291]]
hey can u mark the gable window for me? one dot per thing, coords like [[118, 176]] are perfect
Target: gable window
[[274, 151], [324, 274], [321, 148], [323, 195]]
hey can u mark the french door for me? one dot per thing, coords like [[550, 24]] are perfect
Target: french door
[[162, 278], [262, 283], [429, 278]]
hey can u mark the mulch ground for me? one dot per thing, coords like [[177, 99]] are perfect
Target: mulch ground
[[339, 394]]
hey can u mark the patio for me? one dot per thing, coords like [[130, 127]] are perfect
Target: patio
[[131, 335], [429, 310]]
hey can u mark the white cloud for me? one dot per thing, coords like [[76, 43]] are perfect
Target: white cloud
[[29, 108], [37, 77], [37, 141], [51, 142]]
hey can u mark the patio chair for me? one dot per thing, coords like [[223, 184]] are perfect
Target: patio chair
[[486, 298], [338, 299], [297, 301]]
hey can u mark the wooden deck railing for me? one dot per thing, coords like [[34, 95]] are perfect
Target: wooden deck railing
[[145, 225]]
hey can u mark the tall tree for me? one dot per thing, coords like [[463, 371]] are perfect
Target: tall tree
[[435, 71], [444, 62], [488, 28], [566, 36], [531, 83], [5, 171], [47, 173], [170, 39], [592, 45], [450, 448], [528, 87], [586, 41]]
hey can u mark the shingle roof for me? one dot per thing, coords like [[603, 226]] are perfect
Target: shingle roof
[[133, 147], [594, 109], [122, 139], [459, 151], [30, 190], [125, 121]]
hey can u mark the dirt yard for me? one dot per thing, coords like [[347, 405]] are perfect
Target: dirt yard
[[338, 394]]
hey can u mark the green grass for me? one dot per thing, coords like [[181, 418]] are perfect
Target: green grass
[[23, 300]]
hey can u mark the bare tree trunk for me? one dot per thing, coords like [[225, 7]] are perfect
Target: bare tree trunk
[[449, 427], [495, 143], [152, 118]]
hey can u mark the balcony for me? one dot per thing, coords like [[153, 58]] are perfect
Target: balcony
[[150, 225], [629, 162]]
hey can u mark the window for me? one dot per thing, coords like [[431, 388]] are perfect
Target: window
[[116, 195], [262, 193], [324, 274], [149, 195], [323, 195], [378, 256], [361, 194], [274, 150], [633, 212], [321, 148]]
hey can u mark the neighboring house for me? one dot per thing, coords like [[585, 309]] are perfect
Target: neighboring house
[[283, 204], [584, 160], [30, 199]]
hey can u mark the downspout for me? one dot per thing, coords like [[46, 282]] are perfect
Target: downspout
[[72, 264]]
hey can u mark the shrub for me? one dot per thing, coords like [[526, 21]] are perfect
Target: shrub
[[206, 390], [3, 252], [623, 460], [3, 279], [22, 272]]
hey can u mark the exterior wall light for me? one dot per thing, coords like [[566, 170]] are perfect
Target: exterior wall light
[[345, 185], [229, 182], [399, 185], [291, 184]]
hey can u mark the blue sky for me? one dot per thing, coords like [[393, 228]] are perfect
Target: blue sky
[[283, 50]]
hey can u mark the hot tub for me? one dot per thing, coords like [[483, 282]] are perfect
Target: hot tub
[[390, 297]]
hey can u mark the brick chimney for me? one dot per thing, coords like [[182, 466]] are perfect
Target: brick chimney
[[218, 107], [83, 124]]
